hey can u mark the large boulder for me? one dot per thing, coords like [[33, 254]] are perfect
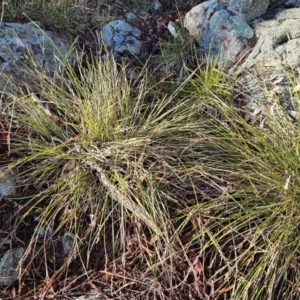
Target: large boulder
[[222, 33]]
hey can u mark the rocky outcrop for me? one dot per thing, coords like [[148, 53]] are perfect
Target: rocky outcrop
[[270, 70]]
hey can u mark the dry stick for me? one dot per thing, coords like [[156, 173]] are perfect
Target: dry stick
[[121, 198]]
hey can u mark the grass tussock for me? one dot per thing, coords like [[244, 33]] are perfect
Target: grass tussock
[[155, 189], [181, 191]]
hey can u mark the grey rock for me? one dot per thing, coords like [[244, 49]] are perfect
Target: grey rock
[[122, 37], [63, 247], [7, 183], [58, 248], [266, 86], [269, 73], [278, 42], [25, 47], [172, 27], [224, 34], [246, 9], [292, 13], [9, 264], [293, 3], [194, 20], [131, 17], [44, 233], [67, 242], [157, 5]]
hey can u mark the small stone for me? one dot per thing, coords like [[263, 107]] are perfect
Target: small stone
[[9, 264], [67, 242], [157, 5], [122, 37], [65, 247], [173, 29], [7, 183], [131, 17], [44, 233]]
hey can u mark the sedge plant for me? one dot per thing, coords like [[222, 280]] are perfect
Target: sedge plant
[[166, 193]]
